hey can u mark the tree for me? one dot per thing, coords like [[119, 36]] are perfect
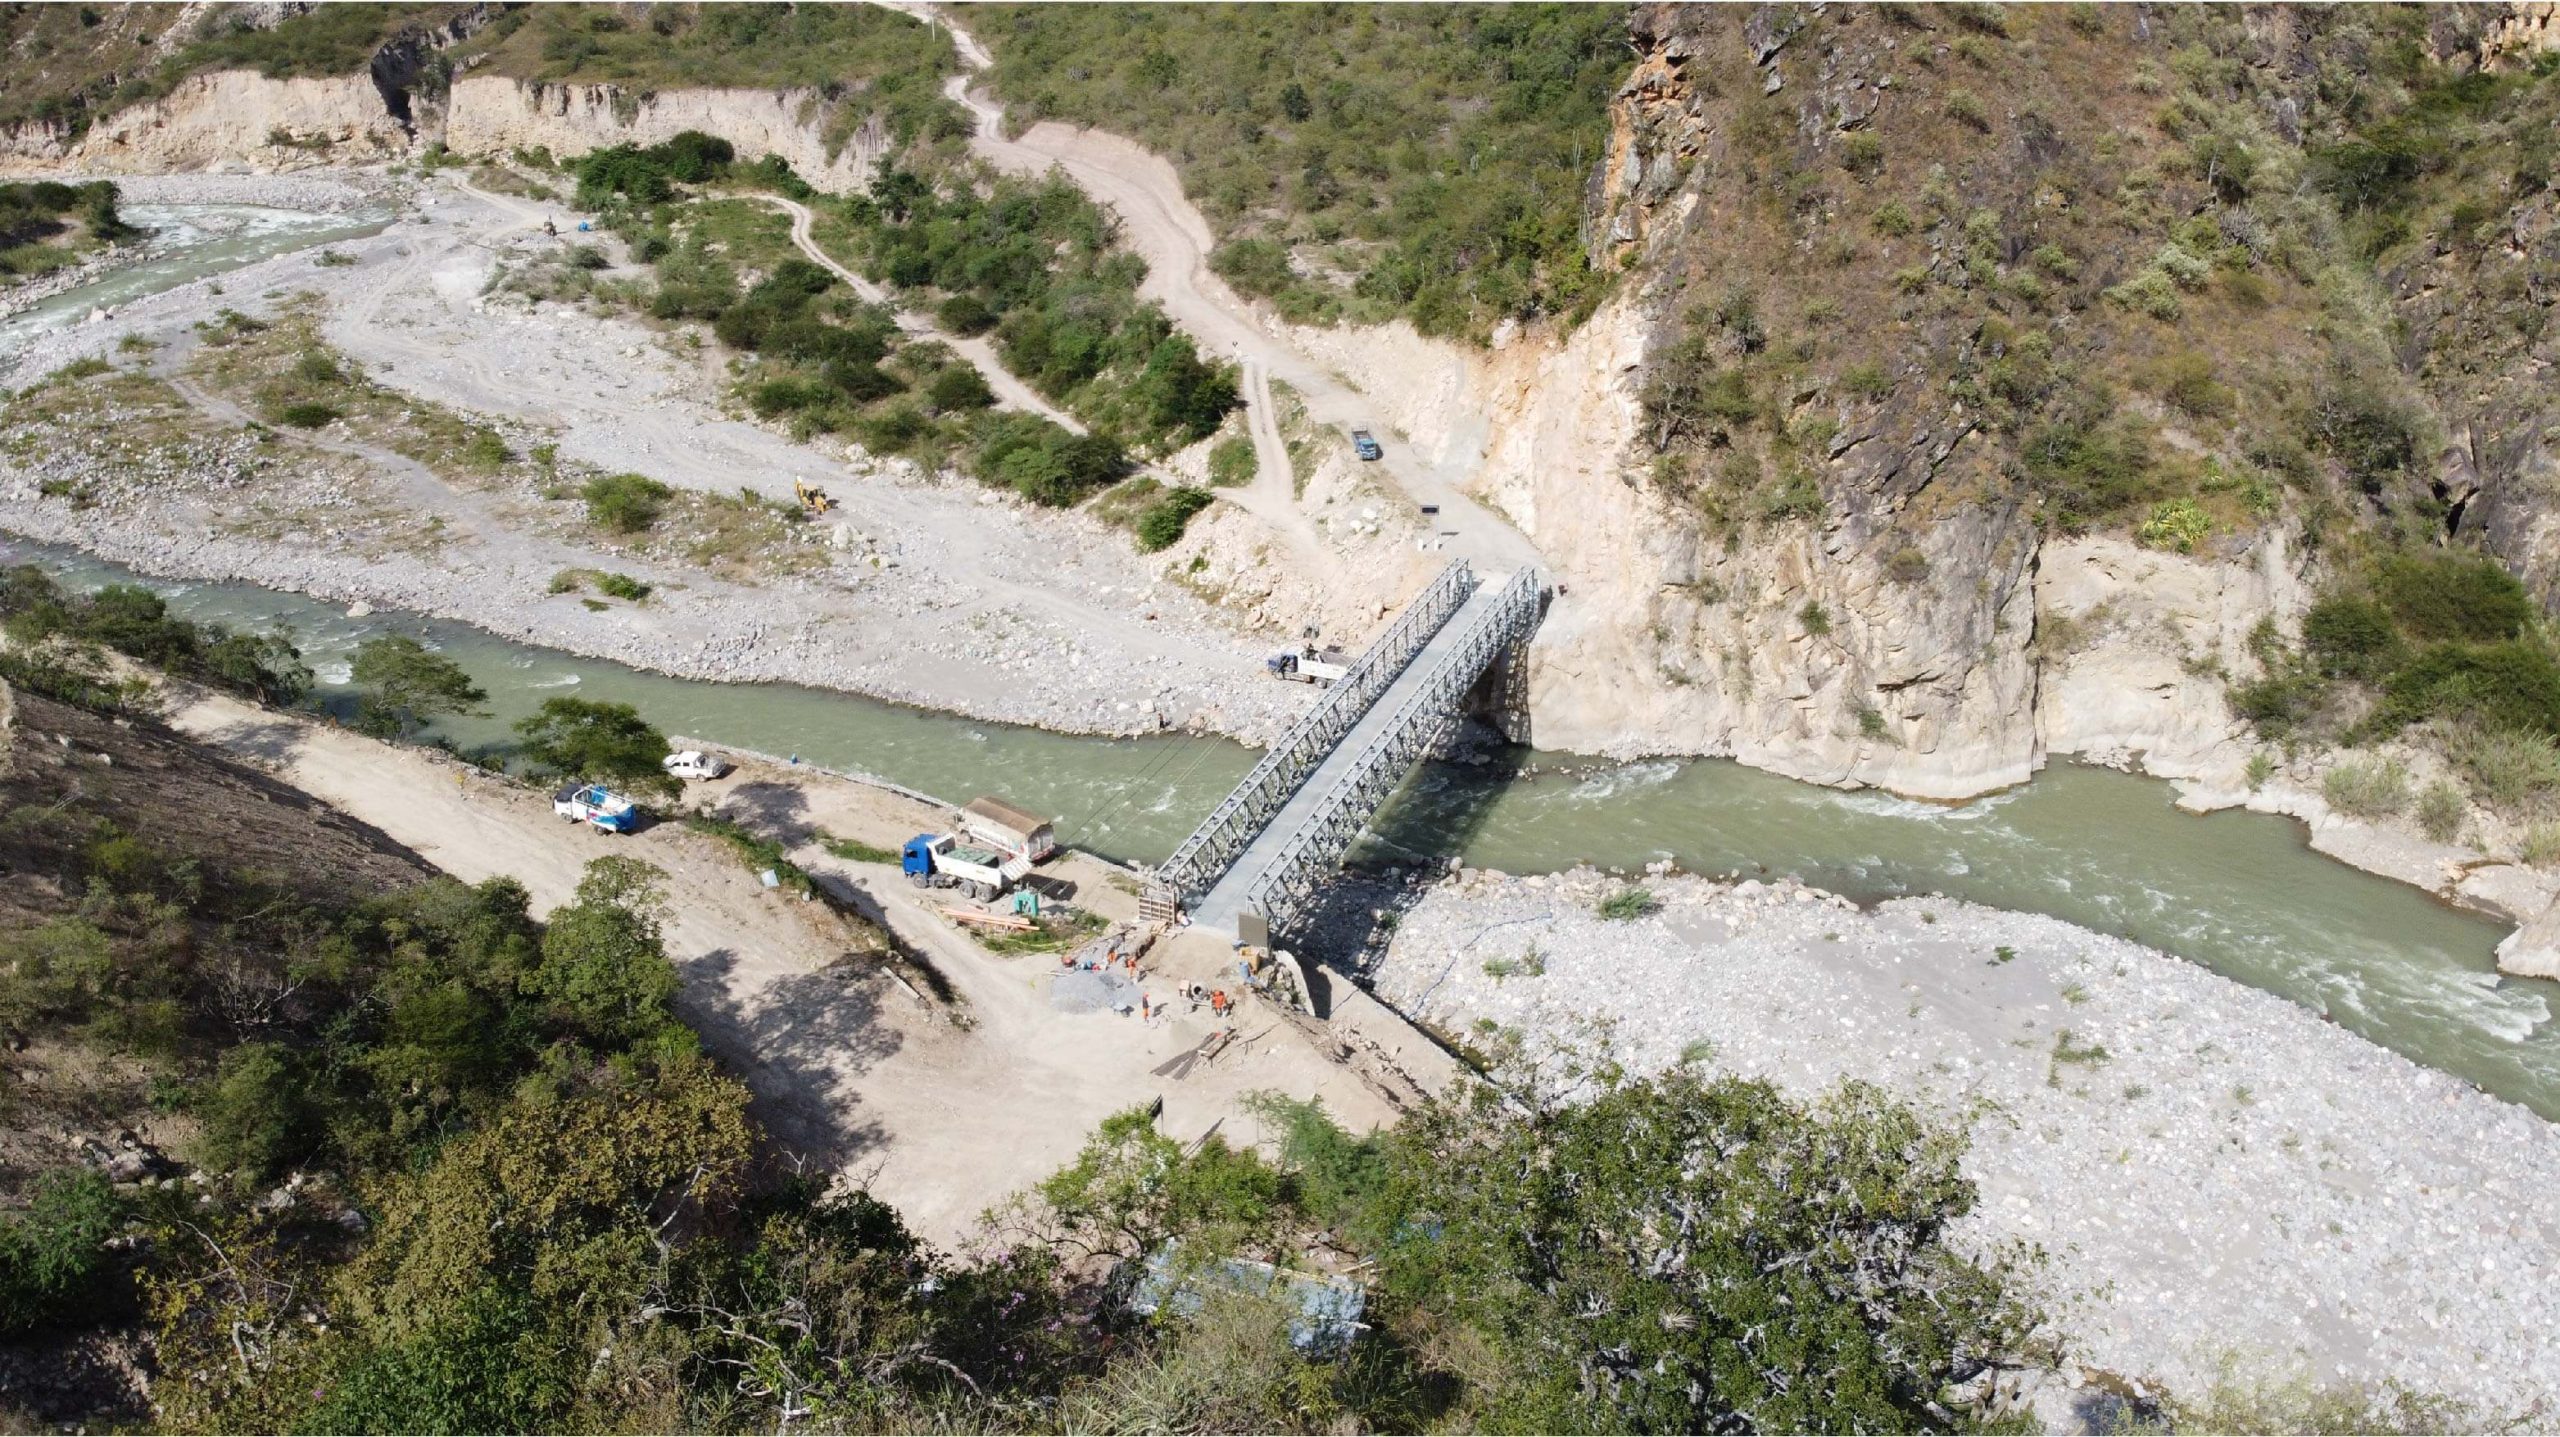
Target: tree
[[1686, 1255], [404, 685], [960, 387], [599, 742], [1132, 1187], [604, 957], [254, 1113]]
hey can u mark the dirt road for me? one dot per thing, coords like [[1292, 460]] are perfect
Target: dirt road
[[939, 1118], [1160, 223]]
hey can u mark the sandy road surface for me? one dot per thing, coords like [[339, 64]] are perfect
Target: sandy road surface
[[1160, 223], [940, 1120]]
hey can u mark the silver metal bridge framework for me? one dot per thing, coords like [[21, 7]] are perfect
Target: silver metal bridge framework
[[1269, 846]]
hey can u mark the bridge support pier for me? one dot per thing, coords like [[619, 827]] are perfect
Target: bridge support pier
[[1501, 698]]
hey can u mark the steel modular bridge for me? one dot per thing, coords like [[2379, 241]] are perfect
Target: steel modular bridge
[[1268, 847]]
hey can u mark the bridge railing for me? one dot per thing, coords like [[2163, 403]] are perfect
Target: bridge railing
[[1287, 891], [1231, 827]]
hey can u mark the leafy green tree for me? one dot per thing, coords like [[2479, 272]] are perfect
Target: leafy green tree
[[255, 1113], [604, 957], [960, 387], [1685, 1255], [1133, 1186], [53, 1254], [404, 685], [602, 742]]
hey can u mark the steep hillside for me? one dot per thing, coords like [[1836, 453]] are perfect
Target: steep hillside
[[1921, 289], [1359, 161]]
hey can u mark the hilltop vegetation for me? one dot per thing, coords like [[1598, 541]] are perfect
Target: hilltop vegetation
[[1359, 161]]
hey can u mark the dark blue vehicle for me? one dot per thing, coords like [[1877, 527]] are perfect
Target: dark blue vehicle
[[1365, 444]]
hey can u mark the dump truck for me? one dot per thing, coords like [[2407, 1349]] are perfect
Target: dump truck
[[941, 860], [597, 807], [1307, 664], [1001, 825], [1365, 444]]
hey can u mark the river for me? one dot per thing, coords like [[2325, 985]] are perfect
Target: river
[[2240, 893], [189, 242]]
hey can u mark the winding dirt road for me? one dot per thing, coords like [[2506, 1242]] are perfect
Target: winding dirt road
[[1161, 224]]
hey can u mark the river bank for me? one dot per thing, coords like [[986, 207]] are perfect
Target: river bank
[[2219, 1180]]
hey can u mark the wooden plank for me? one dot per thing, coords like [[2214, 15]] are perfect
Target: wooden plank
[[991, 920]]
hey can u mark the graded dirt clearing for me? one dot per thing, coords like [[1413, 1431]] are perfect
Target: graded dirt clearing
[[940, 1110]]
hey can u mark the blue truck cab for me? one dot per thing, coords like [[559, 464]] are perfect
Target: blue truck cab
[[1365, 444], [916, 859]]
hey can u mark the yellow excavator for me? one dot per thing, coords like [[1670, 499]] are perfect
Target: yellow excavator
[[812, 498]]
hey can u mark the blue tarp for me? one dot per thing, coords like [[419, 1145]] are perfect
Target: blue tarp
[[1324, 1311]]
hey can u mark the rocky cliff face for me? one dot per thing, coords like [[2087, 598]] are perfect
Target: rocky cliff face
[[492, 115], [227, 117]]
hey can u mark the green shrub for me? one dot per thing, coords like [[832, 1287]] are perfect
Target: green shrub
[[2372, 787], [1907, 566], [1867, 379], [1963, 108], [964, 314], [53, 1253], [2178, 524], [625, 503], [960, 387], [2352, 637], [1628, 904], [1862, 152], [2441, 809], [1815, 618], [1162, 525], [622, 586], [2150, 292], [2509, 768], [1232, 462], [306, 415], [1893, 220], [2443, 595], [2509, 685]]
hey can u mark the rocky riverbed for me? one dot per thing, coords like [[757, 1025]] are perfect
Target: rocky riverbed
[[921, 588], [2221, 1183]]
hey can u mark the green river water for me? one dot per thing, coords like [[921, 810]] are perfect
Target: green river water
[[2239, 893]]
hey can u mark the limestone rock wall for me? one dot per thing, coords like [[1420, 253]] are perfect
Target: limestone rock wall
[[225, 117], [491, 115]]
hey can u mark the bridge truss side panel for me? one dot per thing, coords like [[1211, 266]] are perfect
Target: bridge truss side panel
[[1288, 889], [1231, 827]]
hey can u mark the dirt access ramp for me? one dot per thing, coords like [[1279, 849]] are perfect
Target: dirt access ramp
[[941, 1111]]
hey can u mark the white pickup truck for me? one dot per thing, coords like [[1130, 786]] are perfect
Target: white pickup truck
[[1307, 664], [693, 763], [597, 807]]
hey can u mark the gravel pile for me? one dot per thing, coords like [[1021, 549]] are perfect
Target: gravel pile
[[2218, 1179]]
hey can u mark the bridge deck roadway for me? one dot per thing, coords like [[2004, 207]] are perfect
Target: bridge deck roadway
[[1217, 912]]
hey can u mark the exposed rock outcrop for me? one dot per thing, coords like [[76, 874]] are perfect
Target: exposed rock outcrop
[[222, 118], [491, 115]]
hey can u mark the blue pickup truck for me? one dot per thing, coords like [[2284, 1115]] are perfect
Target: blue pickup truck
[[1365, 444]]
